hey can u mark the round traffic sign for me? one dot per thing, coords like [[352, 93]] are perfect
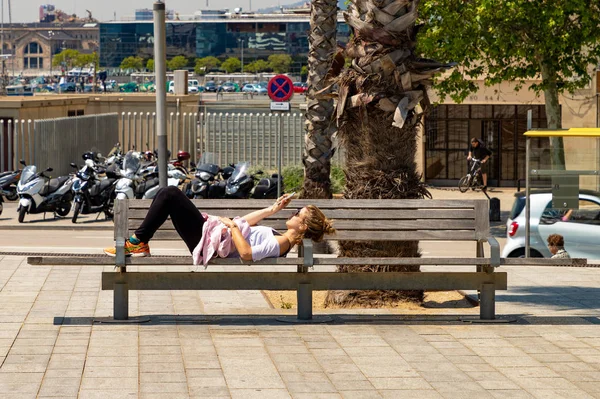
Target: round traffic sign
[[280, 88]]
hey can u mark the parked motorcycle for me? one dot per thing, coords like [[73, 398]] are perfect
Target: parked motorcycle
[[241, 182], [8, 184], [126, 185], [92, 194], [39, 193], [267, 187], [208, 181]]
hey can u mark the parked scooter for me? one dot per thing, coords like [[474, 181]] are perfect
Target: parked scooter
[[39, 193], [207, 182], [267, 188], [92, 195], [8, 184], [126, 185], [241, 182]]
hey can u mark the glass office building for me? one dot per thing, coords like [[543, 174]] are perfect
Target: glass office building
[[259, 37]]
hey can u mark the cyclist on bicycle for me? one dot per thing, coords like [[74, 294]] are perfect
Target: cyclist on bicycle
[[478, 150]]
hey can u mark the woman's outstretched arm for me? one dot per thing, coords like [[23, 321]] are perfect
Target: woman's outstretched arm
[[254, 217]]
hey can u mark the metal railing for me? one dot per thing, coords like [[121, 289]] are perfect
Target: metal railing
[[55, 142], [233, 137]]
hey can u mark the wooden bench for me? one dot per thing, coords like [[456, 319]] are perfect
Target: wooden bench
[[355, 220]]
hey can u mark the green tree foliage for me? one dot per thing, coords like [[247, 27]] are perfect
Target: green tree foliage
[[132, 62], [304, 71], [206, 64], [280, 63], [68, 57], [257, 66], [178, 62], [516, 41], [83, 60], [231, 65], [150, 65]]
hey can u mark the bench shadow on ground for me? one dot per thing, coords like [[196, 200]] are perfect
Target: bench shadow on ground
[[552, 298], [336, 319]]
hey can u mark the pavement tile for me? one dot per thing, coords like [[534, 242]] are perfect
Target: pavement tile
[[400, 383], [164, 395], [209, 392], [316, 395], [100, 394], [260, 394], [111, 372], [164, 387], [109, 384], [59, 387], [560, 394], [410, 394], [352, 385], [361, 394], [162, 377]]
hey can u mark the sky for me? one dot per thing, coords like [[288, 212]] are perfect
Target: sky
[[104, 10]]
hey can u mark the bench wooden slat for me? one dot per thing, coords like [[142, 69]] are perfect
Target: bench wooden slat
[[324, 204], [102, 260], [375, 235], [441, 281], [339, 214], [359, 224]]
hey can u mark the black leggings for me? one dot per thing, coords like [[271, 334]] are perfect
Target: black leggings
[[171, 201]]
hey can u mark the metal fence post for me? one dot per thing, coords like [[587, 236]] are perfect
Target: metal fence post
[[122, 135], [171, 116], [129, 131], [135, 130], [11, 154], [30, 141], [2, 146]]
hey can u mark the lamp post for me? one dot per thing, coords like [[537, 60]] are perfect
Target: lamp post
[[160, 69], [242, 43]]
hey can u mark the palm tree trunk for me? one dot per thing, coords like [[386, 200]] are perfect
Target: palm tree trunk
[[319, 126], [381, 101]]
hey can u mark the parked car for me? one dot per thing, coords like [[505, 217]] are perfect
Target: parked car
[[210, 87], [229, 87], [300, 87], [580, 227], [254, 88], [130, 87]]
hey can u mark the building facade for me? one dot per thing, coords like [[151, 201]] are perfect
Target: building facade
[[31, 46], [259, 36], [498, 116]]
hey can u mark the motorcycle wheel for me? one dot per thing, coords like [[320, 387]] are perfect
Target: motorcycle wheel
[[1, 208], [13, 196], [464, 184], [63, 209], [76, 211], [22, 213]]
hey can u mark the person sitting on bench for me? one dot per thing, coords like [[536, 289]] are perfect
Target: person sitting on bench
[[207, 235]]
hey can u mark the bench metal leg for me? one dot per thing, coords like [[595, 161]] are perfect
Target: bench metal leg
[[121, 301], [304, 296], [487, 302]]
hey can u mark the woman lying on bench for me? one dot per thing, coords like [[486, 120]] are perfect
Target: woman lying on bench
[[207, 235]]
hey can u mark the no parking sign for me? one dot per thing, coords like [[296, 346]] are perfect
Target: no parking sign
[[280, 89]]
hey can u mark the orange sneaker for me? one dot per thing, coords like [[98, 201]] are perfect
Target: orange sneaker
[[141, 249]]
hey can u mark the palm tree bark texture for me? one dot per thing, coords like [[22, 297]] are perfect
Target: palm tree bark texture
[[319, 125], [381, 97]]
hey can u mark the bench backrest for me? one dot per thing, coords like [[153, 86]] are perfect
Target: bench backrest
[[378, 220]]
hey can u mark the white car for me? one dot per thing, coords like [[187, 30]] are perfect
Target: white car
[[254, 88], [193, 86], [580, 229]]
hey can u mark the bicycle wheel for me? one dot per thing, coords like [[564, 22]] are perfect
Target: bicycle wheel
[[464, 184]]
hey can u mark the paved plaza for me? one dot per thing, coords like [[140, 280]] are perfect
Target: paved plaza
[[216, 344]]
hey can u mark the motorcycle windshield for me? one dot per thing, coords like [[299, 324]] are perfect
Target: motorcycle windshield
[[28, 172], [208, 158], [131, 164], [240, 172]]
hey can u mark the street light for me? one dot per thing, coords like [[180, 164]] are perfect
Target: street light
[[240, 40]]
